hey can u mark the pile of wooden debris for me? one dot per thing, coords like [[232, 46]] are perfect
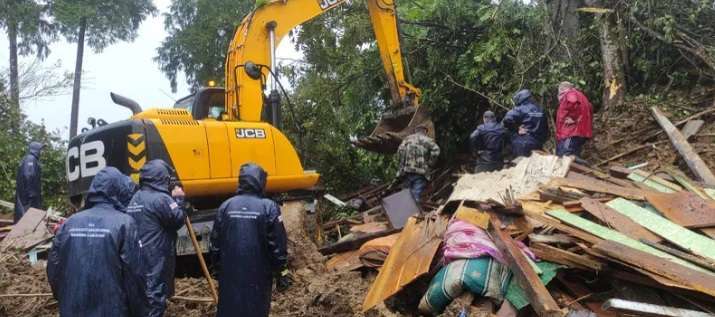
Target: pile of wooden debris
[[619, 241]]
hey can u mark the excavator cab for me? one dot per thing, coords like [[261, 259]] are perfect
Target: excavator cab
[[206, 103]]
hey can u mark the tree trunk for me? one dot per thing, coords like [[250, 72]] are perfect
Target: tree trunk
[[14, 84], [565, 23], [613, 75], [77, 78]]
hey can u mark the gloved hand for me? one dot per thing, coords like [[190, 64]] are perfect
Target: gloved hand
[[284, 280]]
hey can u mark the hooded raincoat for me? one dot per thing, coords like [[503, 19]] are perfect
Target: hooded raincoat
[[158, 217], [529, 116], [94, 264], [249, 243], [28, 182]]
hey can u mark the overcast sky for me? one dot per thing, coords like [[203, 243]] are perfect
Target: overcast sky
[[125, 68]]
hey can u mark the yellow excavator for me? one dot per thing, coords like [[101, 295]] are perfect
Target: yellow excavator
[[208, 135]]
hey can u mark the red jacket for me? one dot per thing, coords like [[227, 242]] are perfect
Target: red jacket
[[574, 104]]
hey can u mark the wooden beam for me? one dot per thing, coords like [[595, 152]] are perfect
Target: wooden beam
[[536, 293], [594, 185], [699, 281], [702, 262], [556, 255], [695, 163], [617, 221]]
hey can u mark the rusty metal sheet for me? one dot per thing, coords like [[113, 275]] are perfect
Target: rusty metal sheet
[[409, 258], [685, 209], [343, 262]]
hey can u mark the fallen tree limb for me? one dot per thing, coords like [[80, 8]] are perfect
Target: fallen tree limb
[[693, 160]]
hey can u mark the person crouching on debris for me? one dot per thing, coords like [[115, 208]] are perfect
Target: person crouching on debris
[[159, 216], [574, 121], [416, 155], [28, 182], [529, 125], [487, 142], [94, 264], [248, 247]]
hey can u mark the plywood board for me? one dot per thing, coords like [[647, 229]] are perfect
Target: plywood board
[[680, 236]]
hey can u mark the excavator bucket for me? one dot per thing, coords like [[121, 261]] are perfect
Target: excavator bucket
[[395, 126]]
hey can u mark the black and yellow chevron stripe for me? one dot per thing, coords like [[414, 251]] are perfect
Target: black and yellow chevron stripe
[[136, 154]]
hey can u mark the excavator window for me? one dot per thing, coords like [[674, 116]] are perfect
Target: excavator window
[[206, 103]]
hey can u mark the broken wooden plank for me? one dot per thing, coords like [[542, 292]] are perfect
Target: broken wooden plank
[[654, 182], [686, 182], [535, 291], [574, 232], [617, 221], [702, 262], [550, 238], [585, 170], [630, 151], [556, 255], [692, 128], [704, 283], [354, 243], [28, 232], [684, 238], [595, 185], [410, 257], [612, 235], [646, 309], [693, 160]]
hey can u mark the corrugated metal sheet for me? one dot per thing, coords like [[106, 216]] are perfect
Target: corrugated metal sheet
[[409, 258]]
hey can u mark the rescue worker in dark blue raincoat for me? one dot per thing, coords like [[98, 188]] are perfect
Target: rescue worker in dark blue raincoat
[[248, 242], [528, 123], [94, 264], [487, 142], [159, 216], [28, 182]]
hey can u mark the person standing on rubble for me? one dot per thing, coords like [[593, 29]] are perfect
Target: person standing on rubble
[[574, 121], [94, 265], [487, 142], [249, 248], [416, 155], [28, 182], [159, 214], [528, 123]]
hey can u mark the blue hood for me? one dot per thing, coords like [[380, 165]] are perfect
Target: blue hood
[[251, 179], [35, 148], [156, 175], [112, 187], [521, 96]]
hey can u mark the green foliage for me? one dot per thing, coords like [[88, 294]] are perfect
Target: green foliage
[[107, 21], [16, 132], [199, 35], [34, 30]]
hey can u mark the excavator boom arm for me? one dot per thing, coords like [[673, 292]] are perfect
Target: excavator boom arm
[[256, 38]]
